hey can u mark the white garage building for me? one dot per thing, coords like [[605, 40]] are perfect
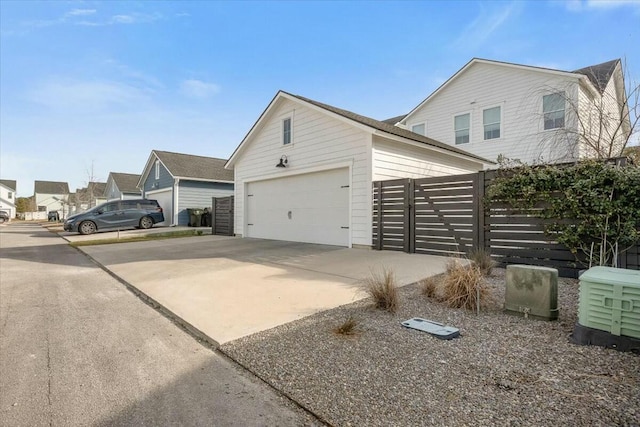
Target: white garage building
[[304, 172]]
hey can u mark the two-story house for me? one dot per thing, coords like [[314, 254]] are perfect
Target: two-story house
[[52, 196], [532, 114], [122, 186], [8, 197]]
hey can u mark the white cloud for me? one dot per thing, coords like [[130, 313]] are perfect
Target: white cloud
[[81, 12], [580, 5], [485, 24], [199, 89]]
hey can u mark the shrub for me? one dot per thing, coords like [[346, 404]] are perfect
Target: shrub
[[348, 327], [482, 259], [462, 284], [381, 287]]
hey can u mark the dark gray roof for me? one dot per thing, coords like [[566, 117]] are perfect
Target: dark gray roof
[[126, 182], [599, 74], [394, 120], [391, 129], [51, 187], [195, 167], [9, 183]]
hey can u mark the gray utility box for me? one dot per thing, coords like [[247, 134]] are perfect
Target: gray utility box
[[532, 291]]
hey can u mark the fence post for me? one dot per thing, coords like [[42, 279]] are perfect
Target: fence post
[[379, 206], [213, 215], [412, 215], [480, 191]]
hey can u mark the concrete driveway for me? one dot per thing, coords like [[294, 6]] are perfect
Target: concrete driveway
[[229, 287]]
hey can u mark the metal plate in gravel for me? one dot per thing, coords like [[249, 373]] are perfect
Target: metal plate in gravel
[[436, 329]]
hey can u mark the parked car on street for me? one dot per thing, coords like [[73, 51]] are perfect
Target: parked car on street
[[4, 217], [118, 214]]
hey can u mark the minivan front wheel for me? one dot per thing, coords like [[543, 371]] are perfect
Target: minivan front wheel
[[146, 222], [87, 227]]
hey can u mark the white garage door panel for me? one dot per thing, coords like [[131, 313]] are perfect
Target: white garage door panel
[[312, 208], [164, 199]]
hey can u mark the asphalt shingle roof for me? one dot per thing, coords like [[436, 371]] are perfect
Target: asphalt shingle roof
[[51, 187], [393, 120], [9, 183], [391, 129], [195, 167], [126, 182], [599, 74]]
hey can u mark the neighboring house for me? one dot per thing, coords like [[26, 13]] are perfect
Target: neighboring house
[[88, 197], [533, 114], [8, 197], [305, 171], [122, 186], [52, 196], [181, 181]]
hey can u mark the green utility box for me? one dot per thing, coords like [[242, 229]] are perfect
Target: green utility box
[[532, 291], [610, 301]]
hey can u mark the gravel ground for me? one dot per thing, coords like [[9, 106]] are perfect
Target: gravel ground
[[503, 370]]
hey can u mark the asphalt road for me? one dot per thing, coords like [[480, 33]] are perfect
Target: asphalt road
[[77, 348]]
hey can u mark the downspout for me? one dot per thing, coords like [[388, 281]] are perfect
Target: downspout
[[176, 194]]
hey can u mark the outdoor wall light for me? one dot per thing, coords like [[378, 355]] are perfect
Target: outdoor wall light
[[283, 162]]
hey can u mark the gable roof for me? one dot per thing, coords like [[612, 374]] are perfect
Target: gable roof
[[188, 166], [367, 122], [601, 71], [51, 187], [10, 184], [599, 74], [126, 182], [393, 120]]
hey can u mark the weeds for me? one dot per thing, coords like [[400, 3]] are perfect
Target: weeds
[[381, 287], [348, 327], [462, 284], [429, 286], [481, 258]]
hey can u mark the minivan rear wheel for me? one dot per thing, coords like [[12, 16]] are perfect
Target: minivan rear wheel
[[146, 222], [87, 227]]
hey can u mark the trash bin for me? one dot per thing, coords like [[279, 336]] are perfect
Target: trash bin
[[206, 218], [195, 217]]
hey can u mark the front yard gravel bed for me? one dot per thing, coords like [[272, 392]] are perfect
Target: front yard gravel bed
[[504, 370]]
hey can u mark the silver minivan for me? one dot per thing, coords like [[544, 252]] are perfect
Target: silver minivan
[[117, 214]]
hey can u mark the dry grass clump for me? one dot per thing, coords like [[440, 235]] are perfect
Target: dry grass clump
[[349, 327], [429, 286], [461, 285], [381, 287], [481, 258]]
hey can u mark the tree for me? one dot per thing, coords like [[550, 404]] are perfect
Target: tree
[[25, 204], [600, 119]]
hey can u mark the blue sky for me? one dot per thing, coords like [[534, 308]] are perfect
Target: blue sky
[[87, 83]]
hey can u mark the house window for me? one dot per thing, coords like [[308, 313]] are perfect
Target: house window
[[461, 126], [42, 208], [419, 129], [286, 131], [157, 169], [10, 195], [553, 110], [491, 122]]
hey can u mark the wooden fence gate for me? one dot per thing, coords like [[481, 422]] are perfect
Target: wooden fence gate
[[222, 216]]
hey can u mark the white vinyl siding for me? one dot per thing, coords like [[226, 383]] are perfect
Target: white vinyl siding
[[518, 92], [553, 110], [392, 160], [462, 128], [320, 141], [491, 122], [419, 128]]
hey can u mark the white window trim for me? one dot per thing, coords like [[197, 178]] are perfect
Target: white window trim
[[501, 121], [157, 171], [453, 122], [563, 93], [418, 124], [290, 118]]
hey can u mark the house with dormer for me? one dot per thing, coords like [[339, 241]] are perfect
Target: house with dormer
[[533, 114]]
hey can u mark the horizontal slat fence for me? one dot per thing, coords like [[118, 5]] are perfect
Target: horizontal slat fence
[[446, 216], [222, 216]]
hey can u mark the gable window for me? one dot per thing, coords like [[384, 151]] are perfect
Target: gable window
[[420, 129], [286, 131], [553, 110], [491, 122], [461, 126], [157, 169]]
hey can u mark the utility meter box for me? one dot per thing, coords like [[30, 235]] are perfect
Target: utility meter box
[[610, 301], [532, 291]]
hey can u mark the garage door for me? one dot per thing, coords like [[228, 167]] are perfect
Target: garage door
[[164, 199], [312, 208]]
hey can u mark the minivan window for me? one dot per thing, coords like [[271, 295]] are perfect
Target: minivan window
[[130, 204], [110, 207]]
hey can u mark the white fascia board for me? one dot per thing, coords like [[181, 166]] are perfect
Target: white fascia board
[[489, 62], [433, 148], [148, 166]]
